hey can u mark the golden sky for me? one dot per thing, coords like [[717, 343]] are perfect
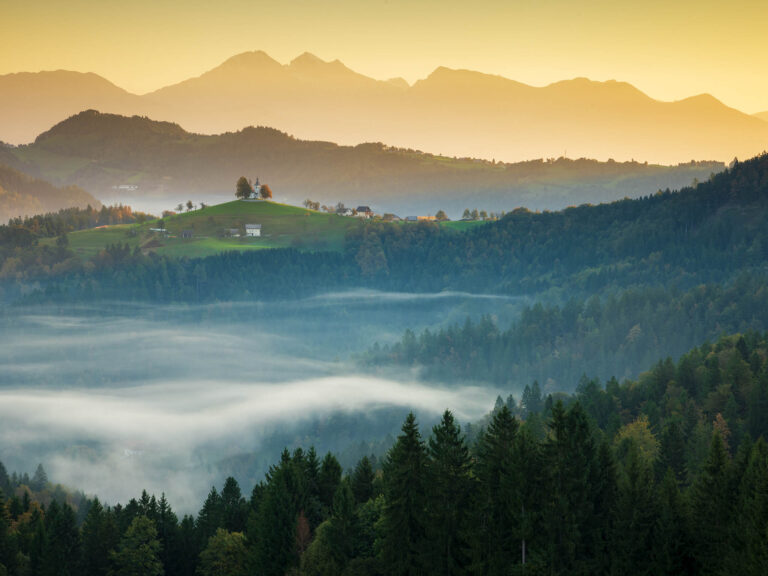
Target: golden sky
[[670, 49]]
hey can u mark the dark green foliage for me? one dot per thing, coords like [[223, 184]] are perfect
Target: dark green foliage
[[449, 499], [243, 188], [138, 551], [362, 480], [210, 518], [100, 537], [403, 532], [748, 553], [186, 559], [588, 485], [635, 516], [621, 335], [712, 506], [495, 544], [342, 527], [576, 541], [5, 480], [670, 546], [224, 555], [61, 550], [274, 549], [234, 509], [168, 533], [328, 479], [7, 544]]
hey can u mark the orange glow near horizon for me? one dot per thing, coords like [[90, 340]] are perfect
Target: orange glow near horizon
[[670, 50]]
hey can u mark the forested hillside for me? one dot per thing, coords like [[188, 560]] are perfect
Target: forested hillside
[[100, 152], [613, 335], [707, 234], [663, 475], [700, 234], [22, 195]]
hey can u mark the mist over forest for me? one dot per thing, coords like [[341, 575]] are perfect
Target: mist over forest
[[288, 319], [117, 395]]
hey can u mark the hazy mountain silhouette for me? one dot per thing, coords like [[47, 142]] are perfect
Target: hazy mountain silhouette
[[763, 115], [452, 112], [101, 152], [33, 102], [22, 195]]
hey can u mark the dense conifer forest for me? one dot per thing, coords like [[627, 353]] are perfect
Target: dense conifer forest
[[666, 474], [616, 335]]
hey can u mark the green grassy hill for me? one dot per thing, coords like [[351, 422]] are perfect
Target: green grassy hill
[[282, 226]]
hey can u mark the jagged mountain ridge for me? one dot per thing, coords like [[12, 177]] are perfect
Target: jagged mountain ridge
[[452, 112]]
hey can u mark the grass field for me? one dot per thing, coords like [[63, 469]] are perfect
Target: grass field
[[282, 226]]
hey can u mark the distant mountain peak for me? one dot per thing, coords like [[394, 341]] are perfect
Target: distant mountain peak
[[399, 82], [249, 59], [443, 75], [307, 59]]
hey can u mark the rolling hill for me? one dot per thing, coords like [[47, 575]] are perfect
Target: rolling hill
[[22, 195], [101, 152], [451, 112], [282, 226]]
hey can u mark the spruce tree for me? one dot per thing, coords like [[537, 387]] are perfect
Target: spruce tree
[[495, 543], [5, 481], [39, 480], [526, 491], [449, 499], [671, 543], [748, 550], [99, 537], [61, 553], [168, 533], [342, 529], [273, 551], [362, 480], [571, 520], [328, 480], [635, 518], [209, 519], [233, 506], [403, 521], [712, 502]]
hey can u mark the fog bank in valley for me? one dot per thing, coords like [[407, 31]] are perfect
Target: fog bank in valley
[[119, 398]]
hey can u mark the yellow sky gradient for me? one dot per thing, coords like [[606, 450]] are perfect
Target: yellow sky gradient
[[669, 49]]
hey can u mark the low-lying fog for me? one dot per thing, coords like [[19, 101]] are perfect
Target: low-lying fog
[[114, 399]]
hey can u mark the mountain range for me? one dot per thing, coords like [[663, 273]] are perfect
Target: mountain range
[[153, 165], [451, 112]]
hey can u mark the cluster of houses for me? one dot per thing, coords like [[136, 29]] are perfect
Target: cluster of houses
[[359, 212], [366, 213]]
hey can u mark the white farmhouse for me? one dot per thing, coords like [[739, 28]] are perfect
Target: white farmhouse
[[253, 230]]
